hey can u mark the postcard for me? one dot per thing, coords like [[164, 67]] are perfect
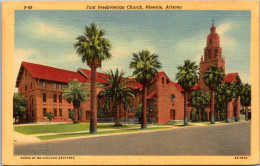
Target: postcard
[[130, 83]]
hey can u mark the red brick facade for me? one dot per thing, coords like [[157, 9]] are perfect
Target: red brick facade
[[42, 88]]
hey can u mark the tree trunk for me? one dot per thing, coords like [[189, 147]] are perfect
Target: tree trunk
[[227, 112], [246, 115], [185, 109], [144, 124], [76, 112], [117, 122], [212, 119], [219, 115], [93, 101], [237, 118], [200, 116]]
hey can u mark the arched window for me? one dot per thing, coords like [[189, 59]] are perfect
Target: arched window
[[210, 41]]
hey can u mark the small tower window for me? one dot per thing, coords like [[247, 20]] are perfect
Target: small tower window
[[216, 51], [25, 87], [31, 85], [210, 41], [162, 80]]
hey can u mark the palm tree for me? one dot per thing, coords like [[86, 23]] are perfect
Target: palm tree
[[145, 67], [246, 97], [187, 77], [212, 78], [228, 92], [76, 93], [93, 48], [117, 90], [220, 101], [199, 100]]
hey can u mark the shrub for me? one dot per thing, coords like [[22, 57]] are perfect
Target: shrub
[[75, 122], [194, 116], [49, 116], [71, 114], [139, 113], [203, 115]]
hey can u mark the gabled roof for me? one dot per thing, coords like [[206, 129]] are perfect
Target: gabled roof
[[49, 73], [230, 77], [159, 74]]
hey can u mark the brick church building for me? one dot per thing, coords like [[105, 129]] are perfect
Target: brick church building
[[42, 88]]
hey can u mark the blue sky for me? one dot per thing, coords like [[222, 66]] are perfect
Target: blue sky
[[47, 37]]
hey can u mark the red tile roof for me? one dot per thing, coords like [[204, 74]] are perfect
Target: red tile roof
[[50, 73], [100, 79], [195, 87], [230, 77], [178, 87], [88, 73], [152, 94]]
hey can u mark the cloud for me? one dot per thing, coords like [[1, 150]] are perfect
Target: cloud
[[223, 29], [22, 55], [39, 29], [45, 28], [73, 57]]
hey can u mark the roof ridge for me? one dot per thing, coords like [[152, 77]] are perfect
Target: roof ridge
[[48, 66]]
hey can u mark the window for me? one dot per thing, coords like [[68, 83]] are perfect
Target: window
[[60, 98], [69, 102], [151, 106], [87, 114], [80, 112], [55, 98], [44, 97], [162, 80], [69, 113], [44, 84], [60, 112], [216, 51], [32, 100], [25, 87], [131, 109], [44, 111], [31, 85], [55, 112], [54, 86], [60, 86], [210, 41]]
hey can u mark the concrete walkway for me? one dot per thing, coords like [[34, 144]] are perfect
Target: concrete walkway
[[21, 139]]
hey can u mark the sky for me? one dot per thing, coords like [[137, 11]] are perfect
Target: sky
[[47, 36]]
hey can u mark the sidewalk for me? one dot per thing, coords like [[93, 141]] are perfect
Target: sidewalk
[[20, 139]]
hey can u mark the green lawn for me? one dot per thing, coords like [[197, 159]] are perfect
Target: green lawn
[[60, 128], [57, 136]]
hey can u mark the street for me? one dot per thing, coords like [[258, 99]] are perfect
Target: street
[[228, 139]]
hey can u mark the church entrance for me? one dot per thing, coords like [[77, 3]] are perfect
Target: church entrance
[[172, 114]]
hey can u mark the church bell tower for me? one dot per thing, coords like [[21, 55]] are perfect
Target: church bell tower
[[212, 55]]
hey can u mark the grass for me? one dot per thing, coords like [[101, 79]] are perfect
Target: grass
[[60, 128], [58, 136]]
